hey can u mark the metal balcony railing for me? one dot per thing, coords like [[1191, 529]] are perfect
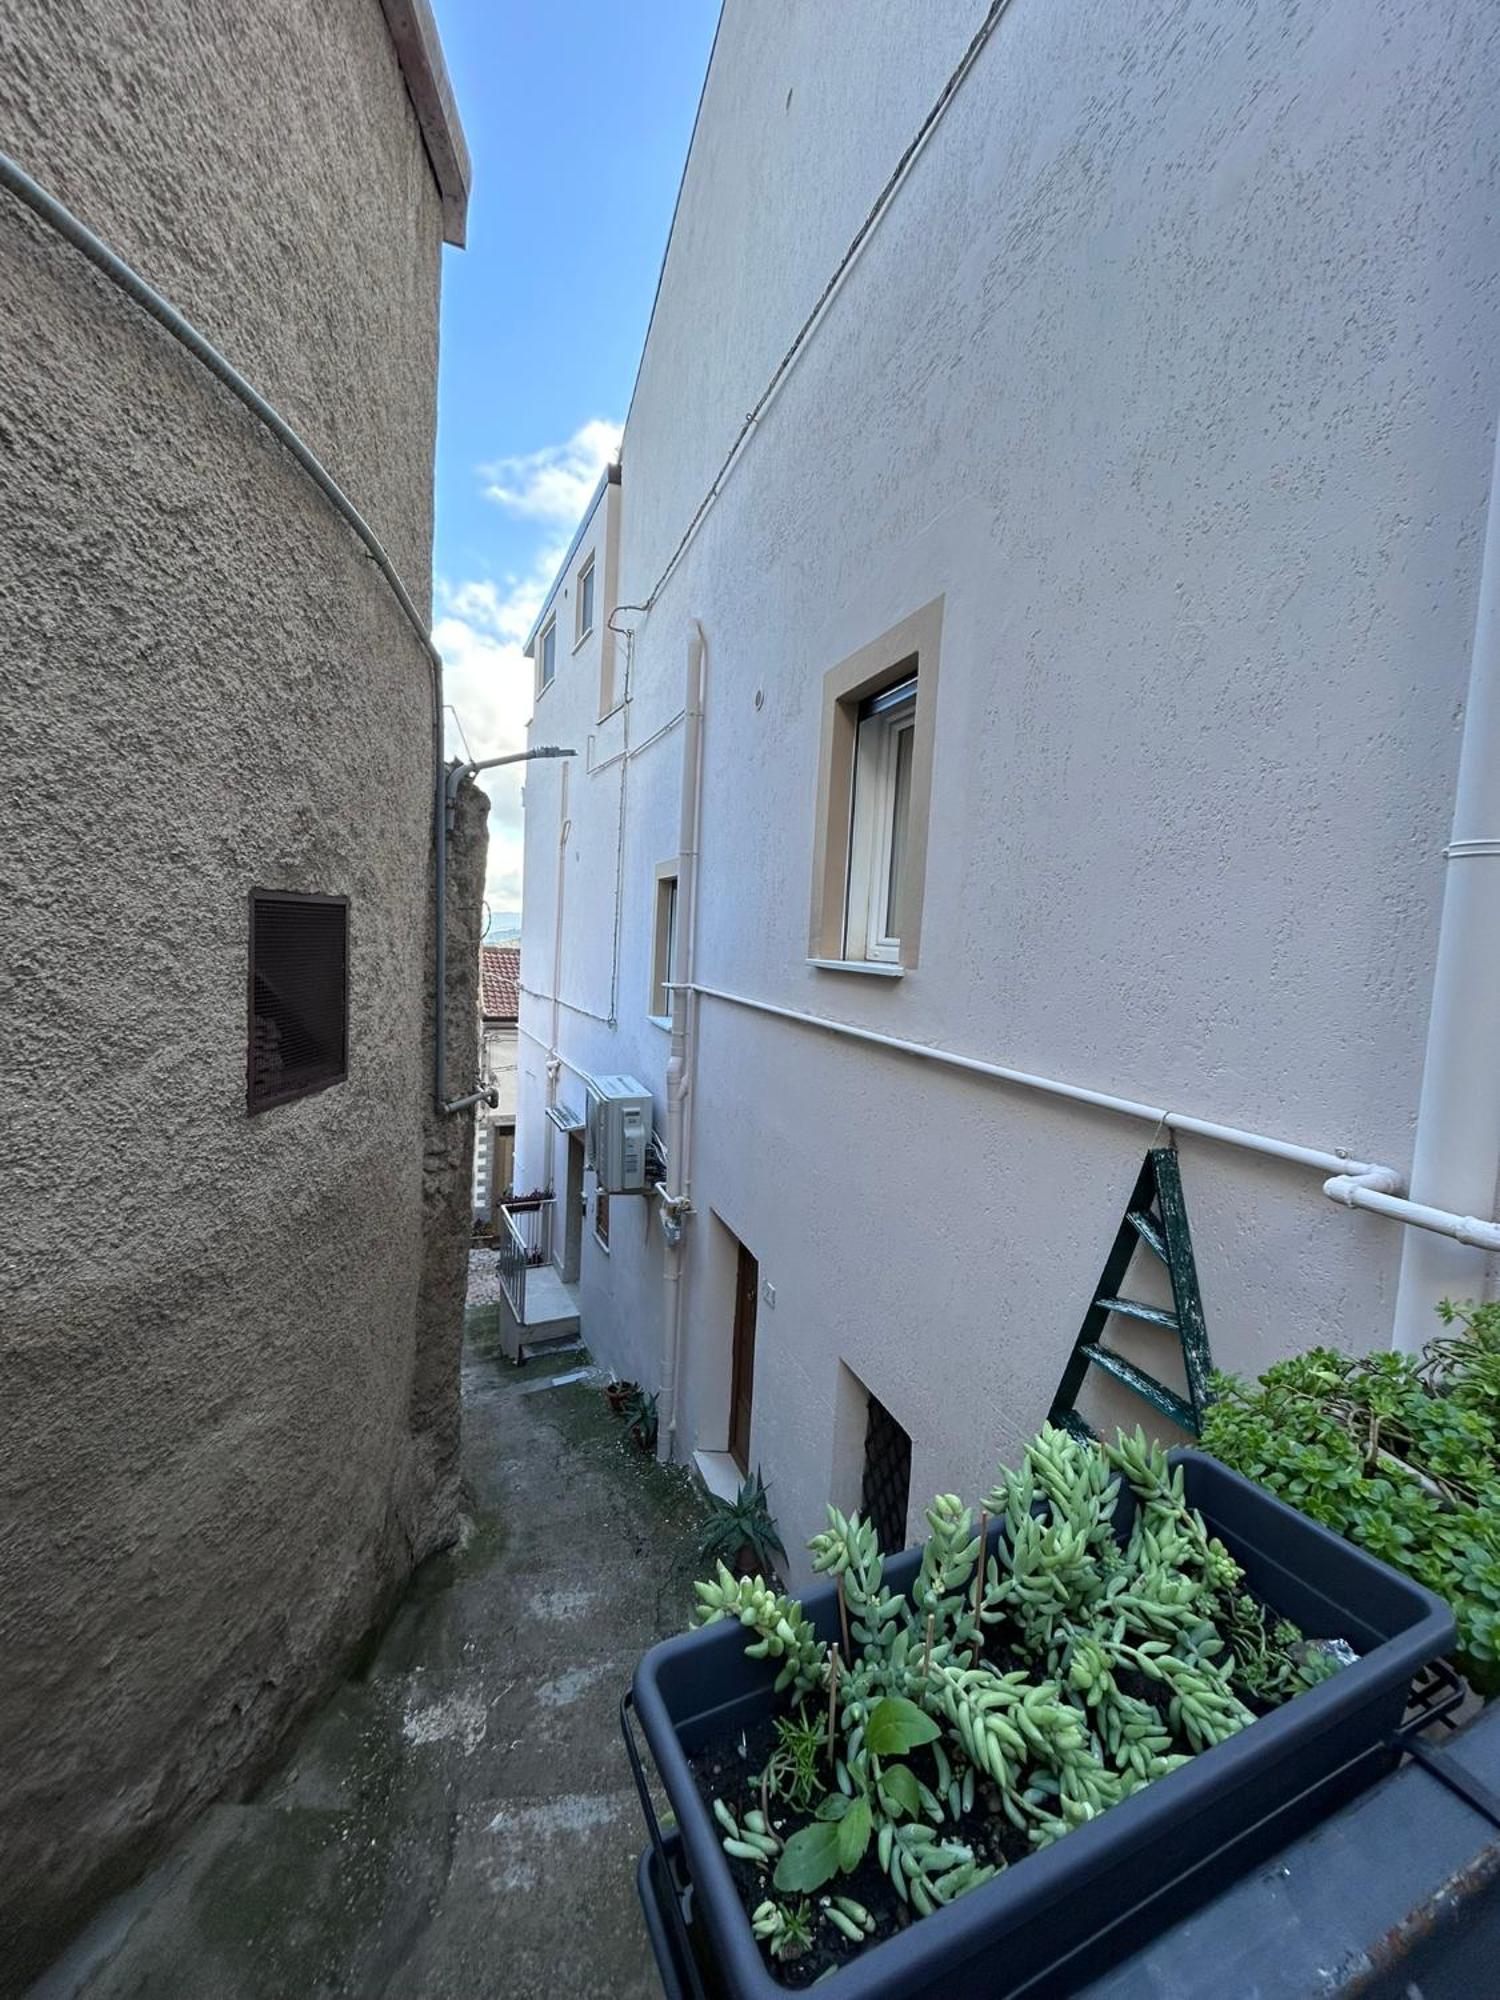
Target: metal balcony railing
[[525, 1240]]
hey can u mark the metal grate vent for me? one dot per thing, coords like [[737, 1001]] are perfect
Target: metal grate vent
[[887, 1485], [299, 995]]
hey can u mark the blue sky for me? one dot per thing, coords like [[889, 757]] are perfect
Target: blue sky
[[578, 118]]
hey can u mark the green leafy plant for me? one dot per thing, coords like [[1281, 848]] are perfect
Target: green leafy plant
[[1401, 1454], [782, 1633], [1030, 1684], [741, 1532], [639, 1410], [786, 1929], [792, 1773]]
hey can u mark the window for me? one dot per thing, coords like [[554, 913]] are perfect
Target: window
[[874, 788], [585, 600], [664, 942], [885, 1491], [298, 1037], [880, 819], [601, 1216], [548, 667]]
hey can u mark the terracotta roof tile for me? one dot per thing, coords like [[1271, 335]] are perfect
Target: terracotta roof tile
[[500, 981]]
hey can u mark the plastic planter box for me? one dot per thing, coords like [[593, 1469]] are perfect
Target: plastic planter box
[[1061, 1913]]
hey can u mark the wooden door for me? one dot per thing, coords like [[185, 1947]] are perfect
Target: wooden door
[[742, 1390]]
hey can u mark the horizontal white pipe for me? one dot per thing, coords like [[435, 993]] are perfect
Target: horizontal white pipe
[[1462, 1228], [555, 1055], [624, 756], [1355, 1183]]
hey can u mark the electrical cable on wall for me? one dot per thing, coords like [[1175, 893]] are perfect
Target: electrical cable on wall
[[16, 181], [856, 243]]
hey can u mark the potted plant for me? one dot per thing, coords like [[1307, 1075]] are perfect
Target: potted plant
[[617, 1393], [989, 1752], [1401, 1454], [741, 1533]]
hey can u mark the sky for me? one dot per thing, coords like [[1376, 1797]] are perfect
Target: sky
[[578, 115]]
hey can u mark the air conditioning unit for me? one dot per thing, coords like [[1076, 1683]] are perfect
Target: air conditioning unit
[[619, 1133]]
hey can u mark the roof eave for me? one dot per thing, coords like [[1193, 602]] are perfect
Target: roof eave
[[420, 54]]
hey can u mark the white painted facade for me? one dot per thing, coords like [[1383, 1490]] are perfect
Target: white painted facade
[[1171, 372], [495, 1124]]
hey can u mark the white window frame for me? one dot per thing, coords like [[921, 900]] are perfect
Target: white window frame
[[664, 944], [886, 719], [585, 576], [544, 676]]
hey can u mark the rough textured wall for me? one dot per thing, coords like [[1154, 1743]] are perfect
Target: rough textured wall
[[447, 1182], [226, 1341]]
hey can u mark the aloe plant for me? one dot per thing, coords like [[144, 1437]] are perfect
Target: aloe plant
[[741, 1532]]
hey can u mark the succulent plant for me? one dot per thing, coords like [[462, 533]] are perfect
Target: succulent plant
[[740, 1526], [918, 1728]]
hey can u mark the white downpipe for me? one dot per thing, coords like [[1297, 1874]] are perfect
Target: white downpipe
[[677, 1206], [1355, 1183], [557, 933], [1456, 1158]]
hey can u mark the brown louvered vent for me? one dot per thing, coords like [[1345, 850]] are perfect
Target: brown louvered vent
[[299, 995]]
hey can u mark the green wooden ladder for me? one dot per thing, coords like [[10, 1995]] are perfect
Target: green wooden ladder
[[1157, 1218]]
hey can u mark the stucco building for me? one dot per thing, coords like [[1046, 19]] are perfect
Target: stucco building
[[232, 1263], [495, 1129], [1047, 627]]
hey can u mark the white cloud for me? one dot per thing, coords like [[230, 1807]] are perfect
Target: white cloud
[[482, 624], [556, 483]]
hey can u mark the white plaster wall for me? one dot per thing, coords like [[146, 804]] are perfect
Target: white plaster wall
[[499, 1060], [1173, 371]]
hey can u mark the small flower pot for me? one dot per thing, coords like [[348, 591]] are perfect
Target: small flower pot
[[1066, 1912]]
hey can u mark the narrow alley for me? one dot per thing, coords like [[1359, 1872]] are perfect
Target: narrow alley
[[458, 1820]]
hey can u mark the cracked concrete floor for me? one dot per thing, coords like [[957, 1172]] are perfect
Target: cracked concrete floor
[[459, 1821]]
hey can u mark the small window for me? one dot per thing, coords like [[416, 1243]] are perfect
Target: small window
[[874, 794], [885, 1492], [548, 668], [880, 819], [586, 600], [601, 1216], [664, 945], [299, 996]]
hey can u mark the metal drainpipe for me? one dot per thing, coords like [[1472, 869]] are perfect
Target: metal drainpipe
[[16, 181], [444, 810], [677, 1207], [1456, 1157]]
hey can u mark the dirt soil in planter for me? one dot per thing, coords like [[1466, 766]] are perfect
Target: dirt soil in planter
[[726, 1768], [722, 1773]]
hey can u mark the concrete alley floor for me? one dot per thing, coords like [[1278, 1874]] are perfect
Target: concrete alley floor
[[459, 1821]]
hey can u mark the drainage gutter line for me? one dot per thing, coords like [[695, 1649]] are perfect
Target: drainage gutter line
[[1354, 1183], [16, 181], [31, 195]]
